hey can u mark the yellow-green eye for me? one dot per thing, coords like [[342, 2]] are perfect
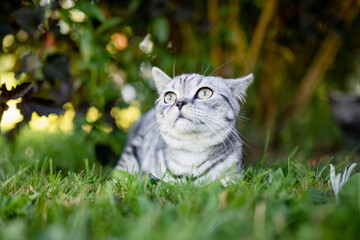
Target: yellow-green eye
[[204, 93], [170, 97]]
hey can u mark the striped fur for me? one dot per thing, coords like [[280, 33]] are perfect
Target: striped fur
[[194, 139]]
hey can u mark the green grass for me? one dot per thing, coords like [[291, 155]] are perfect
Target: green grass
[[37, 202], [40, 201]]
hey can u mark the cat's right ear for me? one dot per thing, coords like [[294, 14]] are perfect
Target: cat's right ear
[[160, 79]]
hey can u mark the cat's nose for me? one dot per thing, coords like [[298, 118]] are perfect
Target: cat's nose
[[180, 104]]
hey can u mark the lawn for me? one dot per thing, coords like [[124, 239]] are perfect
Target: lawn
[[281, 201]]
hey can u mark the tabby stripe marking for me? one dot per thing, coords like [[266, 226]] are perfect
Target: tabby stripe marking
[[228, 101]]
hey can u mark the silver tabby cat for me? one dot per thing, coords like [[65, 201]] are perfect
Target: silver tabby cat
[[191, 132]]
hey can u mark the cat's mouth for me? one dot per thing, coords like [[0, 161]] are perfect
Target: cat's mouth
[[182, 117]]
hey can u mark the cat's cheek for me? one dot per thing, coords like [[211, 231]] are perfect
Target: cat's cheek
[[230, 116]]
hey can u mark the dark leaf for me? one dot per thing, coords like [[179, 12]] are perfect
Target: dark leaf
[[108, 118], [157, 7], [3, 107], [17, 92], [29, 19], [62, 93], [184, 13], [57, 67], [105, 154], [42, 107], [30, 63]]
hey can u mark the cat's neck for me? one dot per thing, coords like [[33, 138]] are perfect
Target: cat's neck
[[200, 143], [182, 160]]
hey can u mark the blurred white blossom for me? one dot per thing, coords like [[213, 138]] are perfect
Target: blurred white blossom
[[145, 70], [43, 3], [77, 15], [64, 27], [270, 179], [66, 4], [128, 93], [146, 45], [337, 182]]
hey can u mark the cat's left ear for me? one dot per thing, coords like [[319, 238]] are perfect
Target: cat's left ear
[[239, 85], [160, 79]]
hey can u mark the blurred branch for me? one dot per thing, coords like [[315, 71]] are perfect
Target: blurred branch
[[239, 40], [323, 60], [259, 34], [213, 15], [269, 78]]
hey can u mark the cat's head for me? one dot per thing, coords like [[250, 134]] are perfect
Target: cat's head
[[195, 106]]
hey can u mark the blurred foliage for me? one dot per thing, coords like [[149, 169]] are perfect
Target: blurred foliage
[[95, 56]]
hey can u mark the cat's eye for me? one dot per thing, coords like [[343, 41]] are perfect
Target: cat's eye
[[170, 97], [204, 93]]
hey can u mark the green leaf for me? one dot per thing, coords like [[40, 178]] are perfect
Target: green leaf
[[91, 10], [279, 174], [86, 46], [316, 196], [134, 5], [111, 23], [160, 29], [350, 193]]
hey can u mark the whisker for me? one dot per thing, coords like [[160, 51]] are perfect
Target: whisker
[[212, 125], [202, 66], [220, 67], [207, 69], [174, 68], [243, 119], [236, 134]]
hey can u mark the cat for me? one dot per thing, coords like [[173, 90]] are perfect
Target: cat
[[191, 133]]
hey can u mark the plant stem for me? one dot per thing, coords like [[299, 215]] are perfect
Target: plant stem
[[1, 114]]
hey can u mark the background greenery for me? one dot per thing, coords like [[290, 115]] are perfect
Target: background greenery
[[86, 55]]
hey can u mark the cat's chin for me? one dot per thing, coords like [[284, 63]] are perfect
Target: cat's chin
[[185, 126]]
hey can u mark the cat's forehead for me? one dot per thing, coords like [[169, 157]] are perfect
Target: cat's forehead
[[192, 80]]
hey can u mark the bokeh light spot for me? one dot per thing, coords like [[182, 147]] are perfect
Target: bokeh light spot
[[22, 36], [43, 123], [119, 41], [86, 127], [66, 123], [128, 93], [29, 152], [7, 64], [92, 114], [8, 41], [11, 116], [53, 122], [125, 117]]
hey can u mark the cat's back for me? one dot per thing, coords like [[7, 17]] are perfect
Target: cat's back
[[143, 138], [146, 123]]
